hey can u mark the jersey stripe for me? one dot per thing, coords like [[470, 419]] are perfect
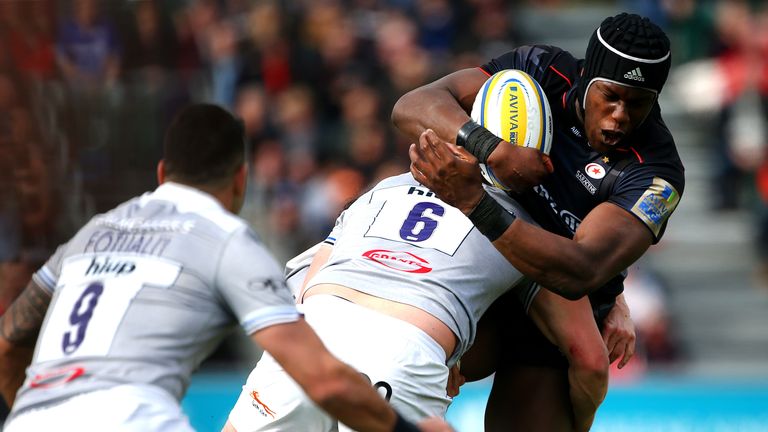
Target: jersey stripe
[[268, 316], [543, 130], [562, 75], [45, 279]]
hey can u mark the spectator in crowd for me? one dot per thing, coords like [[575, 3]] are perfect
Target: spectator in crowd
[[87, 47], [28, 36]]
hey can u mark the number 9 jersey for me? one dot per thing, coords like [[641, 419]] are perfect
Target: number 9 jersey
[[142, 294]]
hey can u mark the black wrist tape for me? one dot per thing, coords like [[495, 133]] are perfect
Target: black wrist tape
[[477, 140], [490, 218], [403, 425]]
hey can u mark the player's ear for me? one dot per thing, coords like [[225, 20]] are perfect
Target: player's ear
[[241, 179], [239, 182], [160, 172]]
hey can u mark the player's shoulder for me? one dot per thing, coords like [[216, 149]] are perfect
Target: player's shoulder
[[404, 179], [188, 203], [652, 154], [655, 143], [555, 69], [539, 61]]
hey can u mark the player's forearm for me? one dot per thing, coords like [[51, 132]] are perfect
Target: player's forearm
[[429, 107], [19, 327], [347, 396], [557, 263], [14, 361]]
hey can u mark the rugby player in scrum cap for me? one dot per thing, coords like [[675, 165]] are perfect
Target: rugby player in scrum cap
[[617, 178]]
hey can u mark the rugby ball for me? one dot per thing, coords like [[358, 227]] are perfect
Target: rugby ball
[[512, 105]]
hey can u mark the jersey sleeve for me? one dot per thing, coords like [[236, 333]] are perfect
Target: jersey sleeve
[[337, 228], [296, 269], [47, 276], [252, 284], [651, 193]]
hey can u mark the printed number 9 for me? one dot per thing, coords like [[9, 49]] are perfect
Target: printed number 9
[[418, 226], [76, 318]]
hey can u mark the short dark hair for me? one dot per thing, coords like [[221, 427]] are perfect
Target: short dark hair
[[204, 144]]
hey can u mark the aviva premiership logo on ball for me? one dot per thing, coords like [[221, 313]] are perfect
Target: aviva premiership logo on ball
[[513, 107]]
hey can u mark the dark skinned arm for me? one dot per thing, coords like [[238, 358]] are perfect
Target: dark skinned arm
[[607, 241], [443, 107], [19, 327]]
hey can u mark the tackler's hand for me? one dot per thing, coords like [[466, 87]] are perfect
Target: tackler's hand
[[619, 333], [449, 171], [455, 381]]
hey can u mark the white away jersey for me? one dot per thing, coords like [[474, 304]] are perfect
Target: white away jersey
[[400, 242], [145, 292]]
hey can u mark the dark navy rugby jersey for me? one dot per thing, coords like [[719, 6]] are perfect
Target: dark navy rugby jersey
[[644, 175]]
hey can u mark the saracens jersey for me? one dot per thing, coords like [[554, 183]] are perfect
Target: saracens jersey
[[400, 242], [144, 293], [644, 175]]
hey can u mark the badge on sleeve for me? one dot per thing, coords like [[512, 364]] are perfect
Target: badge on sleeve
[[656, 204]]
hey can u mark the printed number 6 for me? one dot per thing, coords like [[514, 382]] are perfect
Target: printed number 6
[[81, 320], [418, 226]]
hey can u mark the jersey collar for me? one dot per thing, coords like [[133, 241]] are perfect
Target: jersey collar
[[186, 198]]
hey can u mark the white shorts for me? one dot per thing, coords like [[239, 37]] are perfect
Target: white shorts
[[405, 365], [124, 408]]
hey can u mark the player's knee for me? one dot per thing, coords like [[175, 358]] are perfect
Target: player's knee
[[593, 362]]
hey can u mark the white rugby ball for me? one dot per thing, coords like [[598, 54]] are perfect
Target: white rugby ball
[[513, 106]]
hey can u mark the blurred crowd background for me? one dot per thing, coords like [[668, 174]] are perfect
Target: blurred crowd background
[[87, 88]]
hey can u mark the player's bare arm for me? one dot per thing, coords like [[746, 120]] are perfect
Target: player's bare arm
[[19, 327], [443, 107], [608, 240]]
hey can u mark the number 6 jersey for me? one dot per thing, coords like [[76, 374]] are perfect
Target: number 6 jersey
[[145, 292], [400, 242]]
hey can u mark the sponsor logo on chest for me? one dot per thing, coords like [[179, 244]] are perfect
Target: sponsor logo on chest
[[397, 260], [592, 171], [107, 266]]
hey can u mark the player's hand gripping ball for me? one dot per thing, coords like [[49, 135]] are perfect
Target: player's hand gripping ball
[[512, 105]]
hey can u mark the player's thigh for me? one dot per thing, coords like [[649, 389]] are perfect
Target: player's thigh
[[566, 323], [530, 388], [531, 399], [271, 400]]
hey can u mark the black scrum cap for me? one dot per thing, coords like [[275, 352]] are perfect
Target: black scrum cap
[[627, 49]]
